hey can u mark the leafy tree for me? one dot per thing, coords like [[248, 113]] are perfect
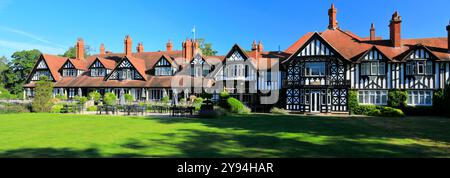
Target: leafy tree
[[96, 96], [20, 67], [206, 48], [42, 101], [80, 99], [3, 67], [72, 52], [109, 99]]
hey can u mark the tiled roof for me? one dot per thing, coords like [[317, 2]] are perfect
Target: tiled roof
[[351, 46]]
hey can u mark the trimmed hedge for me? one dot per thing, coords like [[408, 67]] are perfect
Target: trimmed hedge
[[236, 106], [373, 110]]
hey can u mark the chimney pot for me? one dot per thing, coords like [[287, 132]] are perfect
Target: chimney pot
[[260, 47], [140, 48], [333, 24], [80, 49], [254, 46], [128, 45], [169, 46], [372, 32], [102, 49], [448, 36], [395, 30]]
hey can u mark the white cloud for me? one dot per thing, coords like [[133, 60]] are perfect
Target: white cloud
[[28, 46], [29, 35]]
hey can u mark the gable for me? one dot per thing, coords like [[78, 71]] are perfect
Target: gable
[[236, 54], [373, 55], [97, 64], [419, 53], [42, 65], [315, 47], [68, 65], [198, 59], [163, 62], [125, 64]]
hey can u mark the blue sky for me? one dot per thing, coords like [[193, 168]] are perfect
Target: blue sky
[[52, 26]]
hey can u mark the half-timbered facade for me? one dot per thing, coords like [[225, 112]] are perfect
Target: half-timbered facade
[[324, 66]]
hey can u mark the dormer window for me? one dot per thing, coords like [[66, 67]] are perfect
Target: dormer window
[[69, 70], [373, 64], [125, 71], [164, 68], [419, 63], [98, 70], [41, 70], [199, 67], [419, 67]]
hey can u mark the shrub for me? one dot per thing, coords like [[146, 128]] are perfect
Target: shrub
[[391, 112], [14, 108], [57, 108], [223, 97], [276, 110], [61, 97], [109, 99], [364, 109], [80, 99], [165, 99], [397, 98], [42, 101], [96, 96], [5, 94], [92, 108], [352, 101], [236, 106]]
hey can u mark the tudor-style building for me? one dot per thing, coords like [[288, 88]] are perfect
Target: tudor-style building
[[324, 66], [315, 74]]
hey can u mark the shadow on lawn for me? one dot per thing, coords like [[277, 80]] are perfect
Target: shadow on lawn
[[356, 137], [50, 153]]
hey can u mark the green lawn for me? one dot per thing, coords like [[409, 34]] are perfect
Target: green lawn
[[59, 135]]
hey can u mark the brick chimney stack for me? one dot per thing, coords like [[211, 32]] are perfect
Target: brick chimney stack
[[128, 46], [80, 49], [254, 46], [372, 32], [102, 49], [260, 47], [448, 36], [196, 47], [187, 49], [169, 46], [140, 48], [395, 29], [333, 24]]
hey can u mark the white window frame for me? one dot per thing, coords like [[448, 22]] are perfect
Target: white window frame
[[372, 97], [420, 98]]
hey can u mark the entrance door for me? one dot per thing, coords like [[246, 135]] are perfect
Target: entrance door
[[315, 101]]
